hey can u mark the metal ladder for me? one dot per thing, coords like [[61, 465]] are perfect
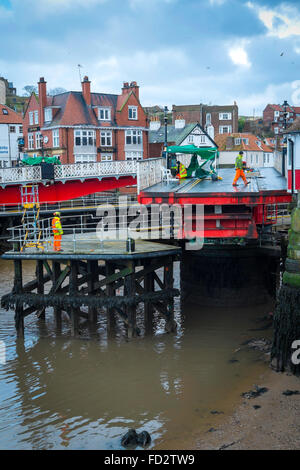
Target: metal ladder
[[30, 219]]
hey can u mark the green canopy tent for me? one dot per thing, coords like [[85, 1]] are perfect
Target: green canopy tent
[[207, 154], [38, 160]]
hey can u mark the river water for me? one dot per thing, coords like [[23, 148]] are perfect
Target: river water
[[57, 392]]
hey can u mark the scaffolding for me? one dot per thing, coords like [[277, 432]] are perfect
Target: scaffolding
[[30, 219]]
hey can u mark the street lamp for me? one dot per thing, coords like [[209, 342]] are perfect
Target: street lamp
[[285, 113], [166, 134]]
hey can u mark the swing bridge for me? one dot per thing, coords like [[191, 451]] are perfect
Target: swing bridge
[[95, 272]]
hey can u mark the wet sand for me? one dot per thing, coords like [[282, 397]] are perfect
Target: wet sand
[[273, 426]]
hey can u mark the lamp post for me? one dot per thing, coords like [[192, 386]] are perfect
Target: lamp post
[[166, 134], [284, 149]]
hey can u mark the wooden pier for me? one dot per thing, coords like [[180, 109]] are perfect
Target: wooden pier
[[93, 276]]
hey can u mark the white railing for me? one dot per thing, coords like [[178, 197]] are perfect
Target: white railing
[[20, 174], [149, 173], [97, 169]]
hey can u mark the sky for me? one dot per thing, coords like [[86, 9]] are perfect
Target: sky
[[179, 51]]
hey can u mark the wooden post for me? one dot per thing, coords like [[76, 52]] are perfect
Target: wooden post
[[40, 287], [129, 291], [72, 291], [110, 291], [56, 271], [92, 270], [148, 307], [18, 289]]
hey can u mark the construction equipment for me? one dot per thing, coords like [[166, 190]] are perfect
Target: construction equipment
[[30, 219], [196, 169]]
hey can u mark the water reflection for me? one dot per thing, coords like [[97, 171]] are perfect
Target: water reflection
[[58, 392]]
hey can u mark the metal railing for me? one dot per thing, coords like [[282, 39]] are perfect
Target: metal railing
[[91, 232], [93, 200]]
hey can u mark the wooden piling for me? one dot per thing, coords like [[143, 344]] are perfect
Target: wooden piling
[[72, 292], [18, 289]]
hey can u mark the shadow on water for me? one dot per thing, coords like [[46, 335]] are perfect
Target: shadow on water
[[58, 392]]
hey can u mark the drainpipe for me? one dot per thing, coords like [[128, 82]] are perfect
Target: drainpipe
[[292, 160], [9, 147]]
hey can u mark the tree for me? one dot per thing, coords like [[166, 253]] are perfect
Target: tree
[[242, 122], [56, 91], [29, 89]]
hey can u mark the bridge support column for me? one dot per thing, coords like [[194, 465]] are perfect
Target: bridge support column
[[18, 289], [287, 314]]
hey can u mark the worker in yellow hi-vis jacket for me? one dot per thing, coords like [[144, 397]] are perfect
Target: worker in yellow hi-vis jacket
[[57, 231]]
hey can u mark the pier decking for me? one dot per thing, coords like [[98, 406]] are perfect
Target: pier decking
[[96, 275]]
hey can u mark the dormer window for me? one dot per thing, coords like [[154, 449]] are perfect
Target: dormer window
[[48, 114], [104, 114], [132, 112], [4, 111], [237, 141]]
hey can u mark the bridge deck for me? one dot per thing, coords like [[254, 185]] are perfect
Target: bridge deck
[[269, 180]]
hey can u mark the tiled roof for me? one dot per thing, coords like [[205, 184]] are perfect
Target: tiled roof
[[226, 142], [174, 135], [73, 109], [11, 118]]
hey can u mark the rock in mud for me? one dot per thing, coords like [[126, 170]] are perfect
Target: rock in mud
[[215, 412], [132, 438], [255, 393], [260, 344], [288, 393]]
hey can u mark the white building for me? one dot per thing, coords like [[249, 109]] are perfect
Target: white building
[[11, 129], [293, 156], [256, 153]]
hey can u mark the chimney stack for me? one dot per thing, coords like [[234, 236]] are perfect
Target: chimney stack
[[154, 123], [179, 122], [42, 99], [86, 90], [127, 88]]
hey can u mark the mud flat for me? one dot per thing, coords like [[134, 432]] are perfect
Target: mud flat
[[269, 421]]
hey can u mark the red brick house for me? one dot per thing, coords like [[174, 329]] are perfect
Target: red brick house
[[86, 127], [224, 119], [273, 116]]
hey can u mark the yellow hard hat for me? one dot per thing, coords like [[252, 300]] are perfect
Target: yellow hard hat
[[57, 213]]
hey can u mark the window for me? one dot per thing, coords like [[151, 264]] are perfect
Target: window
[[31, 118], [251, 157], [12, 129], [276, 113], [38, 140], [104, 114], [134, 137], [85, 158], [106, 157], [225, 129], [276, 130], [208, 119], [83, 138], [55, 138], [237, 141], [191, 139], [256, 158], [106, 138], [202, 139], [134, 155], [30, 141], [4, 111], [225, 116], [48, 114], [132, 112], [20, 129], [36, 117], [246, 141]]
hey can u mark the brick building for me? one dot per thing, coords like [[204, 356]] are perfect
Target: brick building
[[273, 116], [224, 119], [80, 127]]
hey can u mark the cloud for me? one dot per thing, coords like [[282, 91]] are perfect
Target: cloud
[[282, 21], [239, 56]]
